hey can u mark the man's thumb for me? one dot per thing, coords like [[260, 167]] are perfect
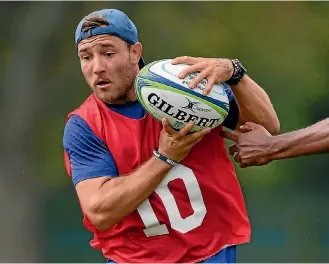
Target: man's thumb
[[247, 127], [230, 134]]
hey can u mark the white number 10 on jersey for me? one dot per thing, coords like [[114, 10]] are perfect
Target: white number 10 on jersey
[[183, 225]]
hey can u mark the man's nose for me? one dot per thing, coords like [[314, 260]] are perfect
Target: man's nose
[[99, 65]]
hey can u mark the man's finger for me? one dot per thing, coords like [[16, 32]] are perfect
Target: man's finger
[[243, 165], [166, 126], [185, 129], [262, 161], [245, 128], [230, 134], [248, 163], [184, 59], [203, 74], [191, 69], [197, 136], [237, 158], [233, 149], [249, 126], [209, 86]]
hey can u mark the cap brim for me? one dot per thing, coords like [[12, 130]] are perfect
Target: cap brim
[[141, 63]]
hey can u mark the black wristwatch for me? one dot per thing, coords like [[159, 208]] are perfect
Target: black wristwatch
[[238, 73]]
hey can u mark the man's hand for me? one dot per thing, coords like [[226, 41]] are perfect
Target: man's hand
[[253, 147], [214, 70], [175, 145]]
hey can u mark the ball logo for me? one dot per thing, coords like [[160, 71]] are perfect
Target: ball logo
[[194, 106], [177, 124], [190, 105], [161, 104]]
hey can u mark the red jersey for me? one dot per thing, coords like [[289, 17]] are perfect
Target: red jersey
[[197, 209]]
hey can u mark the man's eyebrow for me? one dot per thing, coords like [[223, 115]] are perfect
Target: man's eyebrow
[[107, 45], [103, 45], [83, 50]]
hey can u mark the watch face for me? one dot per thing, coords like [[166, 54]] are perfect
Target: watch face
[[239, 64], [244, 68], [239, 72]]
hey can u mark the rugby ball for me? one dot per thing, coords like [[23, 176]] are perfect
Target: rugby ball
[[164, 95]]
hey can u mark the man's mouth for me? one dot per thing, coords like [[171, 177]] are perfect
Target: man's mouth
[[103, 83]]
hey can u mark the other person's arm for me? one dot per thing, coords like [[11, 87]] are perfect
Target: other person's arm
[[257, 147]]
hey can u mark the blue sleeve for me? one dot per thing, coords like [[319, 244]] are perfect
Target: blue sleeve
[[233, 115], [226, 255], [89, 156]]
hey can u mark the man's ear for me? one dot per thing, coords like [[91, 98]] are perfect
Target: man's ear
[[136, 52]]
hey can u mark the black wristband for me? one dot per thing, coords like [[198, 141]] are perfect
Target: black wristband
[[163, 158], [238, 73]]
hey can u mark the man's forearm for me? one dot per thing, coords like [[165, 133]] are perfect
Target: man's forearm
[[120, 196], [307, 141], [255, 105]]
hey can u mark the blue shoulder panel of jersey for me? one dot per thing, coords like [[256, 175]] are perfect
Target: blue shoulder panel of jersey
[[226, 255], [89, 156], [233, 115]]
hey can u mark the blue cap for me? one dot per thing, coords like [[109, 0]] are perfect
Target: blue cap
[[119, 25]]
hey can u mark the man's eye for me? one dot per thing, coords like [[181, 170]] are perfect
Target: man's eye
[[85, 57], [109, 54]]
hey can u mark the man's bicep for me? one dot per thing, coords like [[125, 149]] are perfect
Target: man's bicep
[[88, 155]]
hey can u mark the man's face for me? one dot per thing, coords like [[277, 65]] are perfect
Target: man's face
[[109, 67]]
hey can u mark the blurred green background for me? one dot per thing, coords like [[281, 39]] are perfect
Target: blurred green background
[[285, 46]]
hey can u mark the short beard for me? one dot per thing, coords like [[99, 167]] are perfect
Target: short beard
[[127, 75], [110, 98]]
